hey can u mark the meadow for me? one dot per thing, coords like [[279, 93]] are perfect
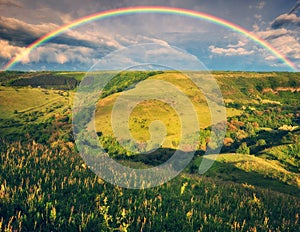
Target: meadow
[[254, 185]]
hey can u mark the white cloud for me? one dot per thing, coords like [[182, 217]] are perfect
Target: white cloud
[[146, 39], [270, 58], [285, 41], [230, 51], [8, 51], [283, 35], [258, 17], [126, 40], [261, 5], [61, 58], [95, 37], [287, 45], [60, 54], [66, 18], [270, 34], [255, 27], [285, 20]]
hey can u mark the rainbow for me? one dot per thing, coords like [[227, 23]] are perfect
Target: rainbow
[[149, 9]]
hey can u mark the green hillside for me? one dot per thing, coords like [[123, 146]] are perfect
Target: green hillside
[[150, 110], [254, 185], [254, 171]]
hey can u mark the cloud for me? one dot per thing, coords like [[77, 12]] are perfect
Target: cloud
[[83, 45], [66, 18], [72, 46], [145, 56], [258, 17], [261, 5], [230, 51], [255, 27], [285, 41], [146, 39], [270, 57], [258, 6], [286, 20], [283, 35], [60, 54], [10, 3], [270, 34], [97, 38], [92, 39], [52, 53], [8, 51], [287, 45], [239, 44], [21, 34]]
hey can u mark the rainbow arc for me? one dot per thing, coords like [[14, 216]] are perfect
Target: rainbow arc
[[145, 10]]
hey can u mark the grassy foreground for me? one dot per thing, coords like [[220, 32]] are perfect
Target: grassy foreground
[[45, 189]]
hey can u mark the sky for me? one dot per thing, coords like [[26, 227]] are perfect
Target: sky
[[217, 47]]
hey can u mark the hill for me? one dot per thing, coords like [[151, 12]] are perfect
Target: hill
[[150, 110], [254, 184]]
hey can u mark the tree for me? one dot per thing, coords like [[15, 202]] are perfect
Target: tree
[[250, 129], [243, 149], [261, 142], [259, 88]]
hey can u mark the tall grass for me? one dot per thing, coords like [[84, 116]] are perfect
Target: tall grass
[[44, 189]]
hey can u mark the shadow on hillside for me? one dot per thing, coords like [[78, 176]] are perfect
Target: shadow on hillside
[[220, 171], [230, 172], [272, 138]]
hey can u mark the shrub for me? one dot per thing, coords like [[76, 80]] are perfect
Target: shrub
[[243, 149]]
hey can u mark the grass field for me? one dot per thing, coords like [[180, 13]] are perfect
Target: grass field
[[150, 110], [25, 99], [28, 106], [254, 185], [254, 171]]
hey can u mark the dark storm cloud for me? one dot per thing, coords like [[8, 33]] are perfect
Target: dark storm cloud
[[22, 34], [68, 40], [17, 37]]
